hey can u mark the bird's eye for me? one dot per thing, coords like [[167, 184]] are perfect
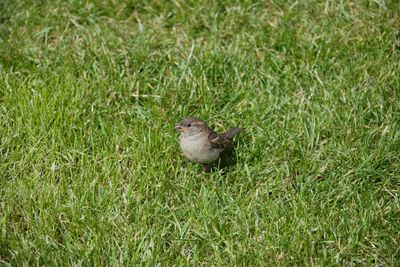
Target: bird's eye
[[189, 125]]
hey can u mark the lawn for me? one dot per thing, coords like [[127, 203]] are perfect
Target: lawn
[[91, 173]]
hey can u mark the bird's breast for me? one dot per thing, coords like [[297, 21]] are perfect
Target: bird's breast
[[197, 148]]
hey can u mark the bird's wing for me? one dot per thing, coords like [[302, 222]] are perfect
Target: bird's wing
[[217, 141]]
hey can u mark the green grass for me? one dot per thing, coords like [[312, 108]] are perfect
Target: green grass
[[90, 168]]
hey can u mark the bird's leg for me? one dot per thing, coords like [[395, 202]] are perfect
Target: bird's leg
[[206, 168]]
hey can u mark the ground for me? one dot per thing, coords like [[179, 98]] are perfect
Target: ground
[[90, 167]]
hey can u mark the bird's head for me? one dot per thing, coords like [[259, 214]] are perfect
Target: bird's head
[[190, 126]]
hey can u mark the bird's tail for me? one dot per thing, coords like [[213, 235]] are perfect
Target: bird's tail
[[232, 132]]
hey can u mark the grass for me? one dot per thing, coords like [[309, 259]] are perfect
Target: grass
[[90, 168]]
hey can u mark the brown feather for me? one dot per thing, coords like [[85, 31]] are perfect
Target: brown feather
[[232, 132], [218, 141]]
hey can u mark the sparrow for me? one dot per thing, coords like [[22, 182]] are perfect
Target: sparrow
[[199, 143]]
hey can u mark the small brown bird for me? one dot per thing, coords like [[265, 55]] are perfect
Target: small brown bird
[[199, 143]]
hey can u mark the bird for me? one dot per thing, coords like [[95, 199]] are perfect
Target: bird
[[200, 143]]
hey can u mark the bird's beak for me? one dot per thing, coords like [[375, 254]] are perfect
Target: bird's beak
[[179, 128]]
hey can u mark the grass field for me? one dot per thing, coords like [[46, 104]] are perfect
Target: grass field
[[90, 168]]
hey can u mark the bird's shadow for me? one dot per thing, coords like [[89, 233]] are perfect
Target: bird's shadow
[[227, 160]]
